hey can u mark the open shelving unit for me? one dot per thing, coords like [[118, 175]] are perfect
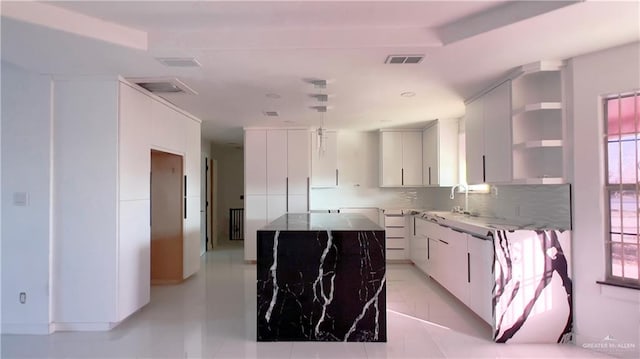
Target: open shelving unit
[[538, 124]]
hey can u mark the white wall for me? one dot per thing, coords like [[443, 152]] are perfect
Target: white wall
[[26, 231], [230, 186], [358, 161], [600, 310], [85, 203]]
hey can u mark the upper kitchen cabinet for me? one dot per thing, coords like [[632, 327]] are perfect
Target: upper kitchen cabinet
[[400, 158], [440, 153], [324, 160], [537, 115], [488, 137]]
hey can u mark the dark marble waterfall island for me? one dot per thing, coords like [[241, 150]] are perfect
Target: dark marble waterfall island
[[321, 277]]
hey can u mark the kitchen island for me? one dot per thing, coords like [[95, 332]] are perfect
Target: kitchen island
[[321, 277]]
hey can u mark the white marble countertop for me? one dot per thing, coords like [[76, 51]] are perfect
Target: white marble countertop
[[478, 224]]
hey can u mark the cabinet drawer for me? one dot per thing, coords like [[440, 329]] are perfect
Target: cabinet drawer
[[396, 243], [395, 232], [394, 221]]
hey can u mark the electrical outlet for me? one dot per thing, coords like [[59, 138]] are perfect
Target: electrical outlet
[[23, 297]]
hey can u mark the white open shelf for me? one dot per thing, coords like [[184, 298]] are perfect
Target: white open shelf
[[538, 144], [537, 107]]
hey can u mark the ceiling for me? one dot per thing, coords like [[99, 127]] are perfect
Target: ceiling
[[249, 51]]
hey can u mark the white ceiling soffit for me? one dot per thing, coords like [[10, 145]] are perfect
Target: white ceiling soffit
[[496, 17], [61, 19]]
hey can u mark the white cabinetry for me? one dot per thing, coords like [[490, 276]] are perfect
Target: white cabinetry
[[440, 153], [277, 168], [488, 137], [396, 237], [324, 166], [400, 158], [106, 129], [480, 272], [538, 130], [460, 262]]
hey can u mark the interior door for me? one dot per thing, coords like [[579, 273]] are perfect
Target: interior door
[[167, 211]]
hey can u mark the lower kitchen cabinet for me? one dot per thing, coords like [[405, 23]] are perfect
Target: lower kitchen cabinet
[[460, 262], [480, 252]]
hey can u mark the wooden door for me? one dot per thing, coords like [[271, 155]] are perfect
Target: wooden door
[[166, 217]]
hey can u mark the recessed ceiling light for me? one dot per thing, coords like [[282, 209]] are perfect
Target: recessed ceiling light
[[272, 95], [385, 120], [289, 121], [408, 94], [179, 61]]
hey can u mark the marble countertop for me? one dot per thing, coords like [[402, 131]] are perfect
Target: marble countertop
[[322, 222], [478, 224]]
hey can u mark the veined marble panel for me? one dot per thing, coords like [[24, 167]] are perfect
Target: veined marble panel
[[533, 287], [321, 285]]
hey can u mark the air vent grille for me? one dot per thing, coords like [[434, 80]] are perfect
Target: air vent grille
[[404, 59], [271, 113], [179, 61], [163, 85]]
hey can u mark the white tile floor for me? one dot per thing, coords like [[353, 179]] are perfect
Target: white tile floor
[[212, 315]]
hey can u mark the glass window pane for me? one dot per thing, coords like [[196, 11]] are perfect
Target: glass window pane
[[621, 114], [615, 237], [631, 261], [631, 239], [613, 152], [615, 212], [616, 259], [629, 162]]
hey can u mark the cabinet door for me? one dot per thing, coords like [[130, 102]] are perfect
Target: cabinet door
[[412, 158], [192, 157], [474, 142], [276, 162], [458, 266], [324, 166], [497, 134], [297, 203], [255, 162], [391, 159], [481, 279], [276, 206], [255, 217], [447, 162], [298, 161], [430, 156]]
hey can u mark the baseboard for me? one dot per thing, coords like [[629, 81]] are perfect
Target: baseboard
[[30, 329], [83, 327], [399, 261], [166, 281]]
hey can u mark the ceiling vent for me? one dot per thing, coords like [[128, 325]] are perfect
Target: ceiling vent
[[271, 113], [163, 85], [320, 97], [179, 61], [404, 59], [319, 108]]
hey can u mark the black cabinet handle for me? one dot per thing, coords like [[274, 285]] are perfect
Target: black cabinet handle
[[429, 174], [468, 267], [428, 248], [484, 168], [185, 196], [402, 174], [443, 241], [286, 184]]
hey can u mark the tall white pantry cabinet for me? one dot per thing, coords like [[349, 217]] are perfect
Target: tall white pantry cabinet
[[104, 130], [277, 165]]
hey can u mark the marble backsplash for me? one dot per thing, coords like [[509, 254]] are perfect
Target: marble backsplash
[[539, 203], [549, 204]]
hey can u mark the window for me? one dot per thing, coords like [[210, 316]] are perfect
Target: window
[[622, 116]]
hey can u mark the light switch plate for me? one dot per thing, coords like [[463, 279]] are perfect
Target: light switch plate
[[20, 199]]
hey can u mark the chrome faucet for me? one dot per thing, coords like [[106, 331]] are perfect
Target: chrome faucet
[[466, 195]]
